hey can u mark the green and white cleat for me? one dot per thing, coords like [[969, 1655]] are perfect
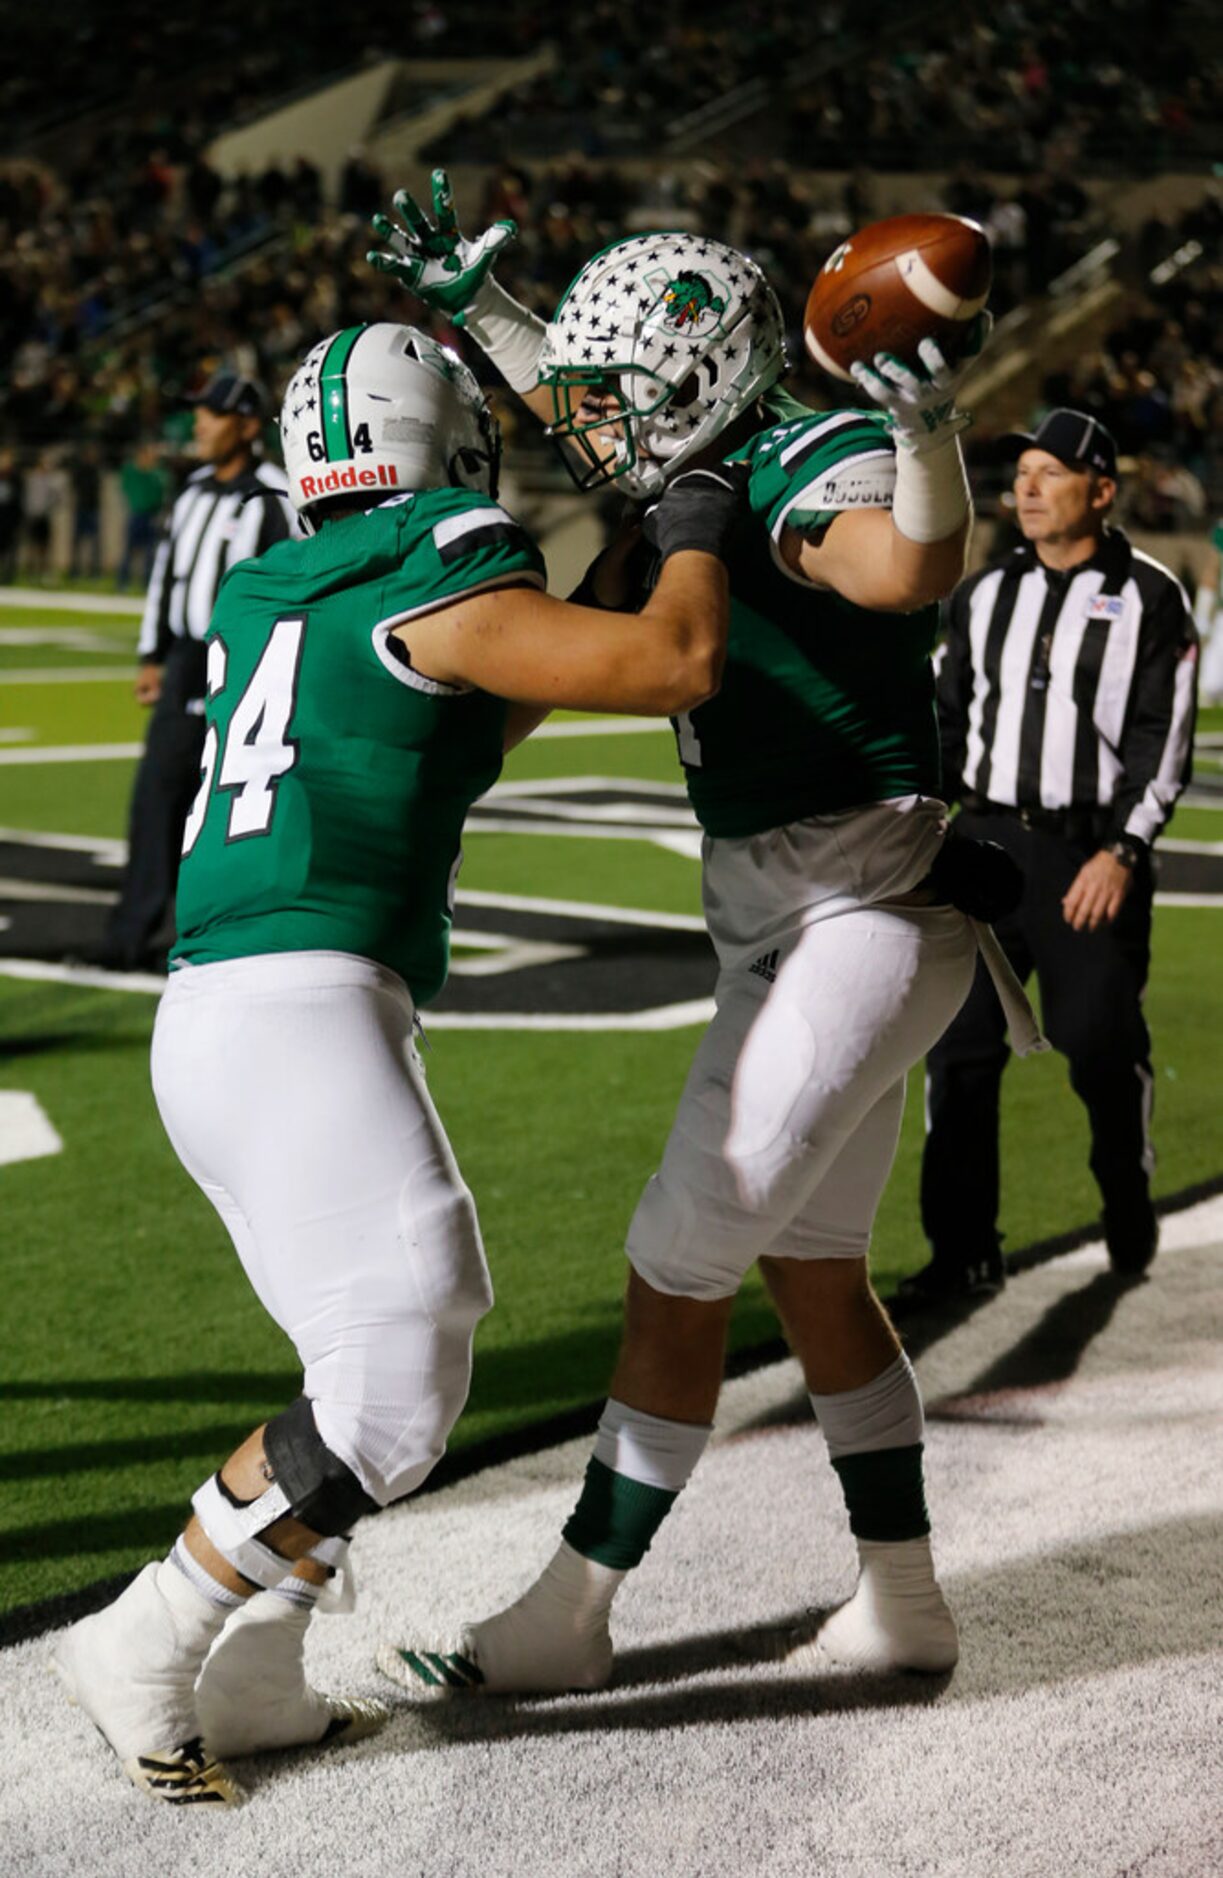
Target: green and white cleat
[[429, 1672]]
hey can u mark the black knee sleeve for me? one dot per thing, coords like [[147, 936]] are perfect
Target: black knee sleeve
[[323, 1492]]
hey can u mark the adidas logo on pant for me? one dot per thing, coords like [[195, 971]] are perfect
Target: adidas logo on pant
[[766, 966]]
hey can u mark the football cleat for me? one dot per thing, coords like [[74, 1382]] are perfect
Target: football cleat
[[897, 1618], [429, 1672], [186, 1777], [554, 1639], [252, 1695], [132, 1668]]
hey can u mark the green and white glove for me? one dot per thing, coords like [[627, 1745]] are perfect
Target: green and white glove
[[433, 259], [920, 401], [454, 276]]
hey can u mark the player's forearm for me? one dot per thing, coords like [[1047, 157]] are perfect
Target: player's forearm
[[925, 571], [689, 612]]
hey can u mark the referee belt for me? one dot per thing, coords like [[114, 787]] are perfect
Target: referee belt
[[1086, 825]]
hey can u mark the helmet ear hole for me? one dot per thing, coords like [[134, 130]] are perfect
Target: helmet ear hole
[[689, 390]]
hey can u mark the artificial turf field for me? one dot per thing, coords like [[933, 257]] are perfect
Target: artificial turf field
[[134, 1355]]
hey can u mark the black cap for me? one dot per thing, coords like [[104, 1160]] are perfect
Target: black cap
[[231, 395], [1072, 437]]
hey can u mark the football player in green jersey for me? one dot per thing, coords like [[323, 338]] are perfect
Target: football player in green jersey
[[362, 684], [814, 772]]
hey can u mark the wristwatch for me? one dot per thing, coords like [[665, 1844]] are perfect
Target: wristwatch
[[1126, 850]]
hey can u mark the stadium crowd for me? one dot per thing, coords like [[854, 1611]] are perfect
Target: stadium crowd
[[132, 267]]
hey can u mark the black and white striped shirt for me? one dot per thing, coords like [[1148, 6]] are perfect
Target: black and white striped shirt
[[1072, 689], [212, 525]]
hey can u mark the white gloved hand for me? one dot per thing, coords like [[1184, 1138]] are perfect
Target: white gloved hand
[[919, 401], [433, 259]]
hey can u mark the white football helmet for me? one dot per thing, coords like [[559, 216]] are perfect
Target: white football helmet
[[658, 345], [384, 408]]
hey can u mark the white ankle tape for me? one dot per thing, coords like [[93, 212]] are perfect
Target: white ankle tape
[[931, 500], [339, 1594], [232, 1529], [511, 336]]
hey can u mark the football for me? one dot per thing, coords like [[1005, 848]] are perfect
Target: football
[[894, 283]]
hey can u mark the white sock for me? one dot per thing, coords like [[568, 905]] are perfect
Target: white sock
[[898, 1617], [204, 1582]]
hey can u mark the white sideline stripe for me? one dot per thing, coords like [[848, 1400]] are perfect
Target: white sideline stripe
[[602, 727], [591, 909], [553, 785], [662, 1017], [1169, 844], [1189, 899], [18, 733], [607, 814], [43, 890], [26, 1133], [68, 675], [107, 849], [924, 284], [43, 971], [505, 954], [70, 602], [74, 753], [577, 831]]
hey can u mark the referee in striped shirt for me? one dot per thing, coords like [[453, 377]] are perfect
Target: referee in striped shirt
[[1066, 694], [234, 506]]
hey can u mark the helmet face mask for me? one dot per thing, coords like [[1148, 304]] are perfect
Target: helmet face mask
[[659, 344], [383, 409]]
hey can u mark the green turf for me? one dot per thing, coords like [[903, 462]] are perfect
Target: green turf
[[135, 1353], [647, 756], [618, 873]]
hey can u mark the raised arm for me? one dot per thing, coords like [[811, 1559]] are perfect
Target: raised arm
[[900, 559], [453, 275]]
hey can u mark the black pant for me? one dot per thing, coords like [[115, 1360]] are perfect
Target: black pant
[[166, 784], [1091, 987]]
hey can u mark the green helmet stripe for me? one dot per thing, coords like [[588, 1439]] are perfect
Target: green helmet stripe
[[333, 394]]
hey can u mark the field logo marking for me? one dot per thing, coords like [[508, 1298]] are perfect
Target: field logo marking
[[26, 1133]]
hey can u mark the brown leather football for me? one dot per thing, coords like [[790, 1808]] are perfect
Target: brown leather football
[[894, 283]]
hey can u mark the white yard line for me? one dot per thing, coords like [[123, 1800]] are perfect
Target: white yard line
[[74, 753], [67, 675], [43, 600]]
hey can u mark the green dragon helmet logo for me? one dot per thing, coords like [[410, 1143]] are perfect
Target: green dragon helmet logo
[[688, 298]]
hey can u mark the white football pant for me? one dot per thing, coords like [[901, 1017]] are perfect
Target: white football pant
[[290, 1088], [831, 987]]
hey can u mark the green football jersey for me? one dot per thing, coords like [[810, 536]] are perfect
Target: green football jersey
[[823, 704], [335, 779]]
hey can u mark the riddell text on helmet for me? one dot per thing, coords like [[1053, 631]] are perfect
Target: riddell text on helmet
[[350, 478]]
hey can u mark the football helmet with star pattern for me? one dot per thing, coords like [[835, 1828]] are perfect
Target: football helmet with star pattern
[[383, 409], [659, 343]]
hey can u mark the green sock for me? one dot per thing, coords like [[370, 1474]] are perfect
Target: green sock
[[616, 1518], [885, 1493]]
